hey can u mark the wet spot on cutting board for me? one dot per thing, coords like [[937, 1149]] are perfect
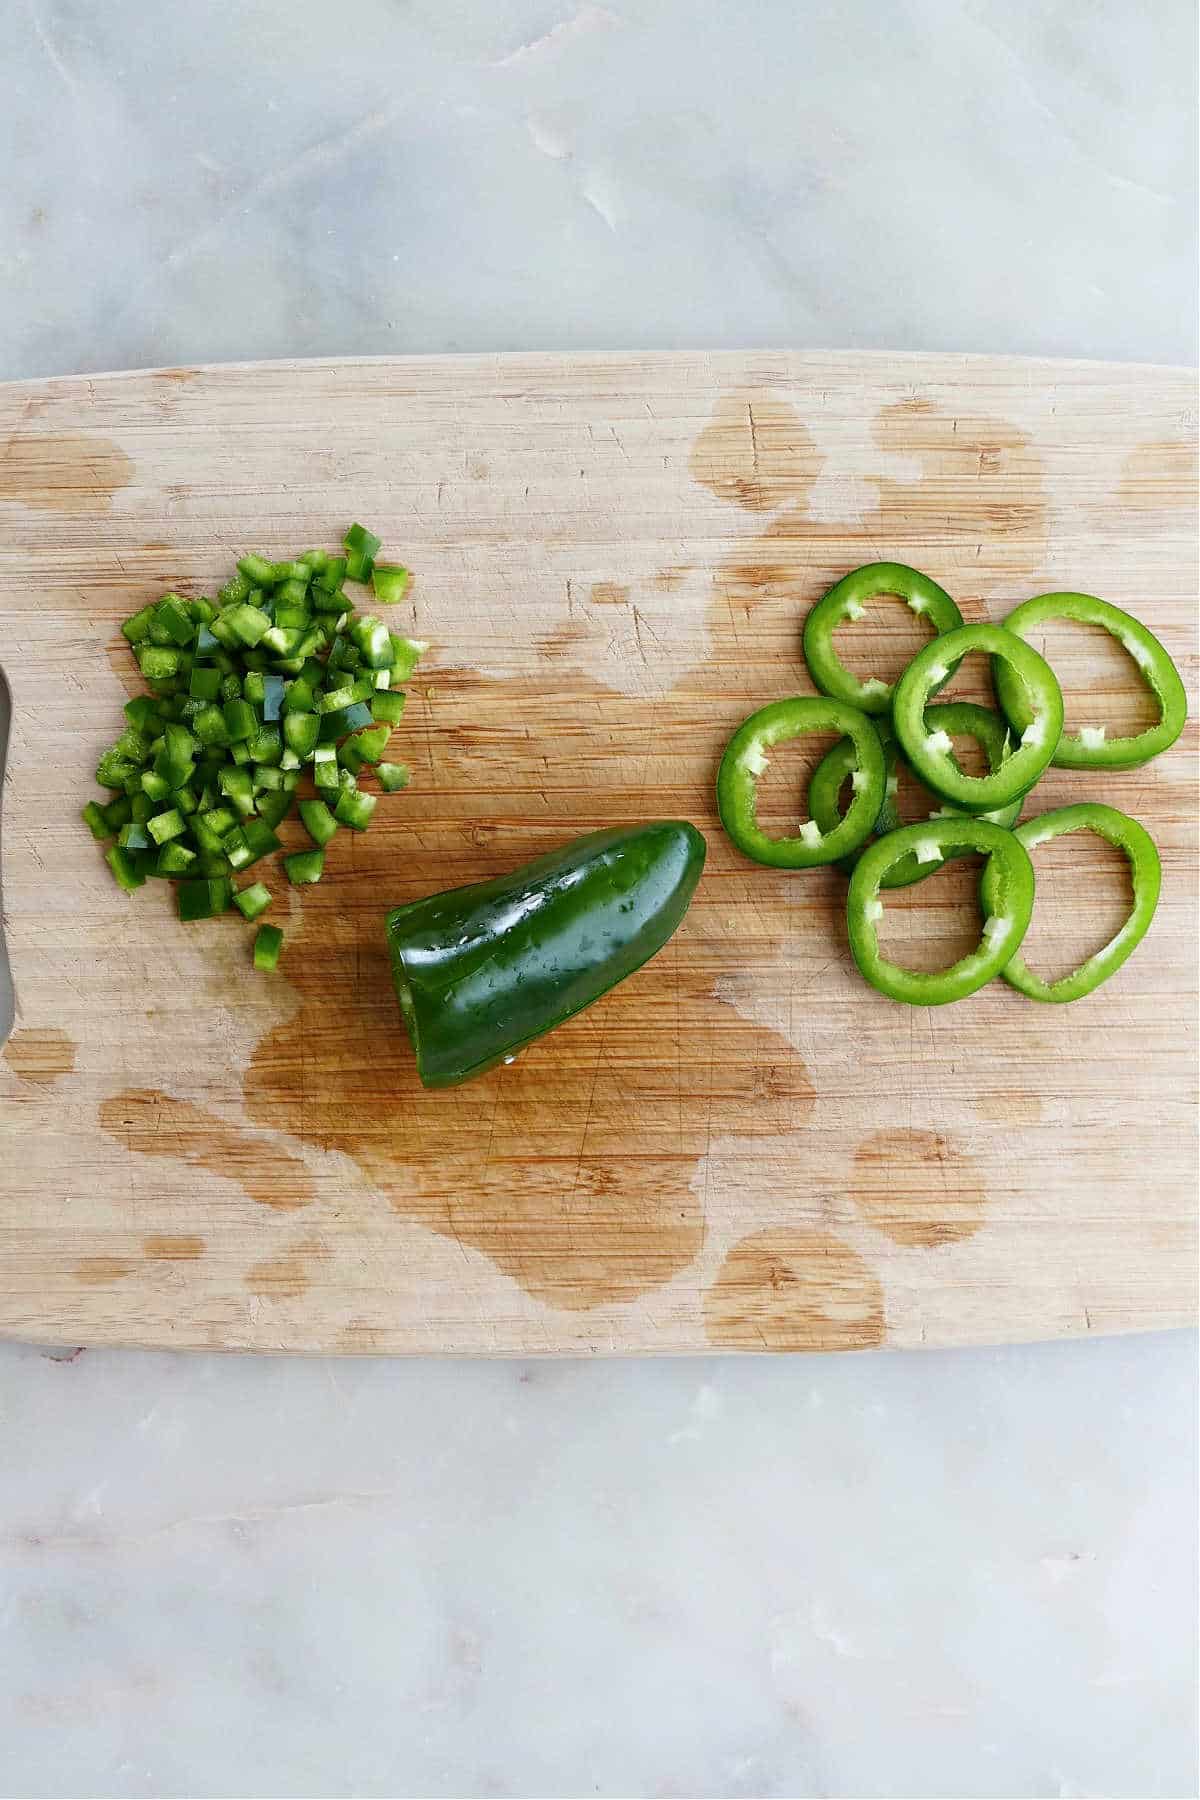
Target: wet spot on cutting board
[[794, 1290], [563, 639], [960, 497], [40, 1057], [576, 1169], [278, 1278], [756, 453], [667, 580], [1159, 474], [152, 1123], [1008, 1107], [174, 1249], [60, 472], [99, 1271], [124, 666], [917, 1188], [286, 1277]]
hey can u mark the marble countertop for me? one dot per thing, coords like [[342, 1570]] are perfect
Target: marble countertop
[[969, 1573]]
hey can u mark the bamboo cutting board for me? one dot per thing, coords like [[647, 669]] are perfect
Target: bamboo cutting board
[[742, 1147]]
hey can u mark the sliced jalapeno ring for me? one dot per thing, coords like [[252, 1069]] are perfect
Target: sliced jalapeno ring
[[1008, 907], [1146, 872], [930, 753], [1091, 747], [745, 759], [958, 718], [847, 600]]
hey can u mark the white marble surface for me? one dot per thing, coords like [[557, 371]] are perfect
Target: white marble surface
[[959, 1574]]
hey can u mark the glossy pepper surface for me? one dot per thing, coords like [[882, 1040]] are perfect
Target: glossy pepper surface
[[1007, 898], [847, 600], [746, 759], [1145, 872], [931, 753], [958, 718], [481, 971], [1091, 747]]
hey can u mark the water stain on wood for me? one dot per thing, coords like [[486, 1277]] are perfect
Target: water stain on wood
[[563, 639], [40, 1057], [151, 1123], [123, 665], [575, 1169], [63, 472], [1009, 1106], [184, 1248], [756, 453], [973, 516], [917, 1188], [286, 1277], [1159, 474], [794, 1290], [609, 593], [99, 1271]]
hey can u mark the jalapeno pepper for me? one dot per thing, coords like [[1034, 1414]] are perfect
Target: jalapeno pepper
[[1007, 904], [481, 971], [959, 718], [745, 759], [847, 600], [1091, 747], [931, 752], [1145, 871]]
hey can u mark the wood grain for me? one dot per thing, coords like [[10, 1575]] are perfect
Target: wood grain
[[742, 1147]]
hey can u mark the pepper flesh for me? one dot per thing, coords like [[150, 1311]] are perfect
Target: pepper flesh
[[481, 971], [846, 600], [745, 760], [958, 718], [934, 763], [1074, 750], [1145, 870], [1009, 898]]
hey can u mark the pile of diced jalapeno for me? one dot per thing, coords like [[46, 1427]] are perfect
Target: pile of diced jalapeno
[[276, 680], [882, 725]]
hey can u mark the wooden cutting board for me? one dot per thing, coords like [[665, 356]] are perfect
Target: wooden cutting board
[[741, 1148]]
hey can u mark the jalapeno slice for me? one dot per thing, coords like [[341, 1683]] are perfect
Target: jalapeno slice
[[1007, 905], [1146, 872], [960, 718], [931, 752], [1090, 747], [746, 758], [847, 600]]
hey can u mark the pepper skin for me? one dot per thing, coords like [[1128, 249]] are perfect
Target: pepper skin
[[1091, 747], [1145, 873], [481, 971], [1007, 899], [847, 600], [957, 717]]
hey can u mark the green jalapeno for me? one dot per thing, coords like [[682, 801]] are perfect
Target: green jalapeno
[[1090, 747], [1146, 872], [481, 971], [745, 759], [931, 752], [959, 718], [1007, 905], [847, 600]]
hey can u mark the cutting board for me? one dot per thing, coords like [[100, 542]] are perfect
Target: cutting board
[[742, 1148]]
